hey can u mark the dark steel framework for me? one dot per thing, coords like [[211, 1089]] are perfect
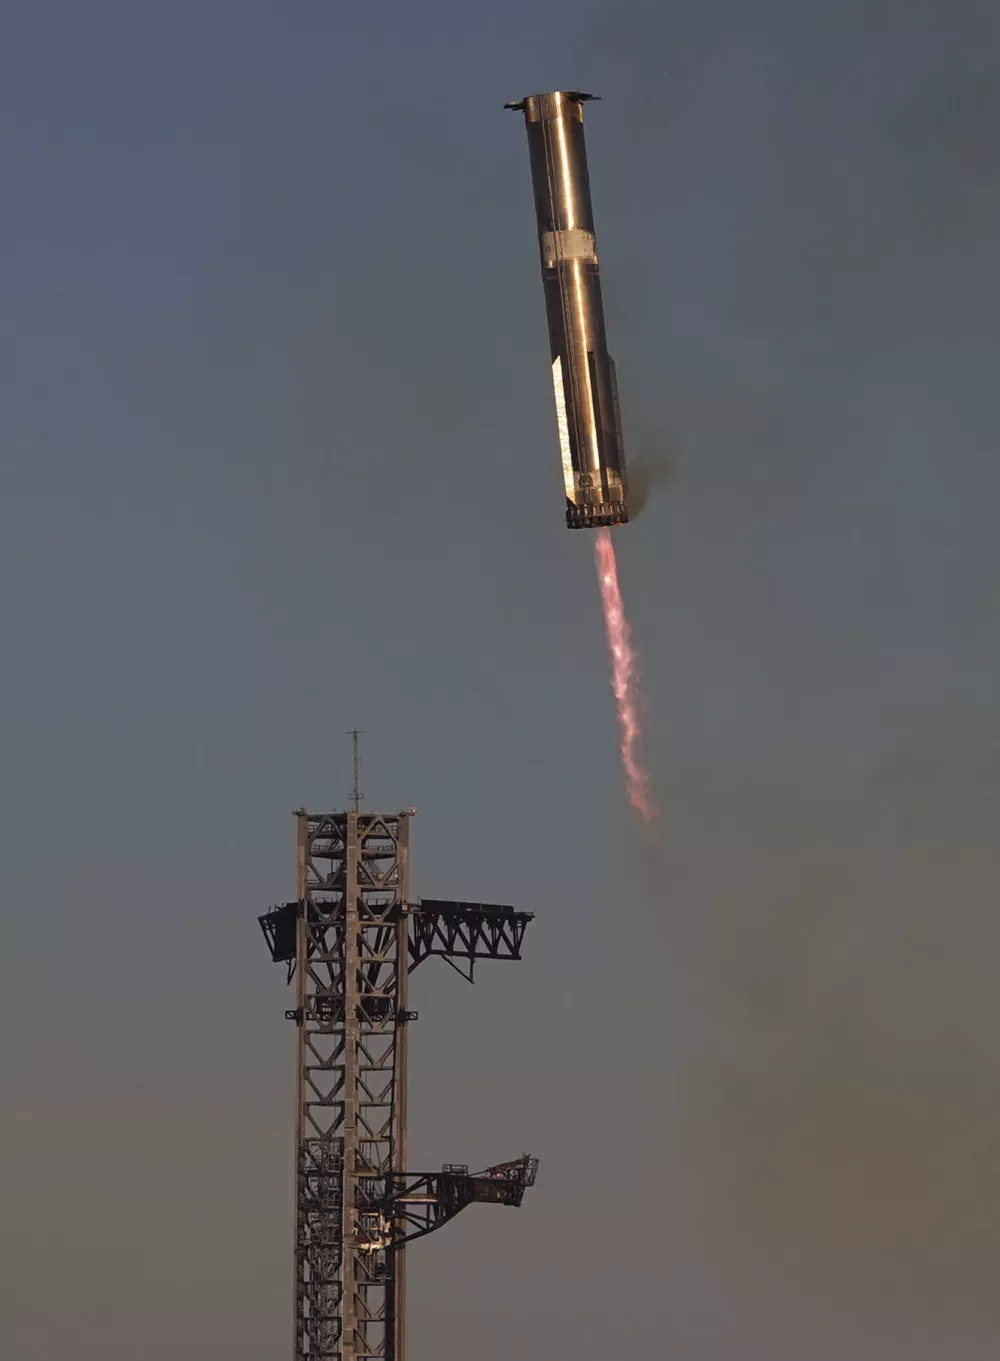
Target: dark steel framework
[[350, 941]]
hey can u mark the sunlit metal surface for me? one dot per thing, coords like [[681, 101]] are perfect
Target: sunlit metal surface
[[583, 373]]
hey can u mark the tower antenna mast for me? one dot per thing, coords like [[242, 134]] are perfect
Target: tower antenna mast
[[356, 794]]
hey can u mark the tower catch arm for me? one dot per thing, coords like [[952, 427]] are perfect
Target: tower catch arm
[[464, 932], [417, 1203]]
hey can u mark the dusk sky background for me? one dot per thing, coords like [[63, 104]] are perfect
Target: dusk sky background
[[279, 460]]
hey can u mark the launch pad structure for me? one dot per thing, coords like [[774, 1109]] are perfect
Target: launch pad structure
[[350, 940]]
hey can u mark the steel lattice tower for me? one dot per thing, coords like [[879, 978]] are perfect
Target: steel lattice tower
[[350, 940]]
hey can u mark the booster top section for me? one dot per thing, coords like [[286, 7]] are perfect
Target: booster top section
[[560, 179], [558, 104]]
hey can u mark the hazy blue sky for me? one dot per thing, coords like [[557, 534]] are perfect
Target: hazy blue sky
[[278, 459]]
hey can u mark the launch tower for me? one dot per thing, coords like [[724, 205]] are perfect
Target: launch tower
[[350, 940]]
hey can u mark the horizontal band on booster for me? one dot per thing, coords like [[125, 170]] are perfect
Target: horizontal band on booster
[[573, 244]]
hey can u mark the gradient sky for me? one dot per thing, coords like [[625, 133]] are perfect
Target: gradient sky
[[279, 460]]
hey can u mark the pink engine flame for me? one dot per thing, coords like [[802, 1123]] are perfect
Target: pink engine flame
[[624, 678]]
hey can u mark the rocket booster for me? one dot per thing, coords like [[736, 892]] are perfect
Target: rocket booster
[[583, 373]]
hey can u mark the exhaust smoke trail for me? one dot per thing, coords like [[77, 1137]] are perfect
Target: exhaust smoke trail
[[624, 678]]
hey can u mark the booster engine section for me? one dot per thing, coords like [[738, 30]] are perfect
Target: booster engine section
[[583, 373]]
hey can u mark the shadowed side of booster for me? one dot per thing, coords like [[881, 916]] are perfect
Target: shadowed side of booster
[[583, 373]]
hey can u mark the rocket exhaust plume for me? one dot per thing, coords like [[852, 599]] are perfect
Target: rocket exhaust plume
[[585, 384], [624, 678]]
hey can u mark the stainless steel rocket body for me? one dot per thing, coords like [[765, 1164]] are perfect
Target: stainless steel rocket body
[[583, 373]]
